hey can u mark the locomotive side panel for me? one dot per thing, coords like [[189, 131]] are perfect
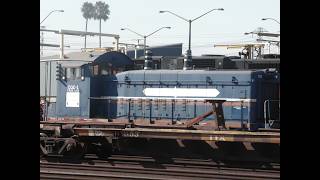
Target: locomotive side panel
[[229, 84]]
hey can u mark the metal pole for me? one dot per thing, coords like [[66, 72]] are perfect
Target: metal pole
[[150, 112], [125, 50], [265, 113], [46, 17], [144, 36], [135, 52], [109, 104], [241, 111], [45, 90], [42, 39], [190, 35], [189, 54], [100, 35], [85, 36], [187, 61], [129, 113], [144, 45], [50, 81], [172, 111], [263, 19], [62, 47], [195, 109], [49, 15], [117, 43]]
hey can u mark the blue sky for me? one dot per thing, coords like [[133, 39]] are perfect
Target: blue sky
[[143, 16]]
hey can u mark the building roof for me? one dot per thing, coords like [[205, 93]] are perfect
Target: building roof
[[76, 59], [113, 58], [75, 56]]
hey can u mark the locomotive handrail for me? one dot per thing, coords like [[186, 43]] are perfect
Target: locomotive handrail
[[123, 81], [265, 110], [172, 98]]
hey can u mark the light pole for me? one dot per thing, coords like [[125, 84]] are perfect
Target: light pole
[[145, 36], [263, 19], [50, 14], [189, 54]]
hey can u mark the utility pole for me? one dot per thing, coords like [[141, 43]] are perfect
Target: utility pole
[[135, 49], [188, 55], [144, 36], [61, 46], [50, 14]]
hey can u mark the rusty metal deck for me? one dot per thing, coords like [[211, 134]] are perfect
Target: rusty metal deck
[[120, 129], [181, 134]]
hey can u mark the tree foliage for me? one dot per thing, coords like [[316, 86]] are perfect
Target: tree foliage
[[88, 10], [101, 11]]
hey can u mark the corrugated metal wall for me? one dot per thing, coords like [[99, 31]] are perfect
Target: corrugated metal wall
[[50, 67]]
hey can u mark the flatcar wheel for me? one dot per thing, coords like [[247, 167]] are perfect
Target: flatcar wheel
[[41, 154], [42, 148], [77, 152]]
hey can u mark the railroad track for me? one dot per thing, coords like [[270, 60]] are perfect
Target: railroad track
[[76, 171], [137, 167], [173, 161]]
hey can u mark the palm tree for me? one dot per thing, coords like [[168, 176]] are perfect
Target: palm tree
[[88, 12], [101, 13]]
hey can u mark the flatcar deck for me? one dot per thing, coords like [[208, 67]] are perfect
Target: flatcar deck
[[182, 134], [122, 129]]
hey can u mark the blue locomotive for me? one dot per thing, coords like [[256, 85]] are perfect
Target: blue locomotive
[[109, 88]]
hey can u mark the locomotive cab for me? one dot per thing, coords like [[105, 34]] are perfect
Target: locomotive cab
[[80, 83], [72, 90]]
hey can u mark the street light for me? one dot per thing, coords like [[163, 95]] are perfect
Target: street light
[[51, 13], [144, 36], [263, 19], [189, 56]]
